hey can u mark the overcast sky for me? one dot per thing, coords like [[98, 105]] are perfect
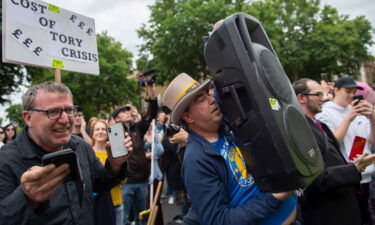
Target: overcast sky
[[121, 18]]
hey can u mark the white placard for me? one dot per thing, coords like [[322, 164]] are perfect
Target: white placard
[[40, 34]]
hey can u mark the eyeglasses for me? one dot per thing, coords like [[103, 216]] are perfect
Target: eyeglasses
[[317, 94], [56, 112]]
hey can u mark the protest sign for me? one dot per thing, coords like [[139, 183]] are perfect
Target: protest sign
[[40, 34]]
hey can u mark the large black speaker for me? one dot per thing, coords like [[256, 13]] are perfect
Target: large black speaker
[[261, 107]]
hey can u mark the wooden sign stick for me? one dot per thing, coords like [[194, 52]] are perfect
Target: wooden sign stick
[[58, 75]]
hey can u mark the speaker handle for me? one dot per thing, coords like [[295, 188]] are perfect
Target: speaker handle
[[233, 92], [250, 31]]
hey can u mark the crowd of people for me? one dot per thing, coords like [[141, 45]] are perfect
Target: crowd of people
[[193, 150]]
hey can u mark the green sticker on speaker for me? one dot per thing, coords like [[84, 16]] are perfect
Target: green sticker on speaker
[[274, 103]]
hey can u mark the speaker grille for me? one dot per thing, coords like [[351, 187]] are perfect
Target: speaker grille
[[301, 136], [274, 75]]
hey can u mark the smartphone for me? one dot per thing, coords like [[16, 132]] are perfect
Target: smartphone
[[64, 156], [116, 136], [324, 77], [67, 156], [357, 147], [359, 97]]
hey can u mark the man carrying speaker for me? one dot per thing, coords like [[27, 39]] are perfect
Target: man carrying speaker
[[352, 121], [331, 199], [214, 172]]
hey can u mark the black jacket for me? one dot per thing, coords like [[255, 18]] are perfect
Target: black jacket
[[63, 207], [138, 165], [172, 163], [331, 199]]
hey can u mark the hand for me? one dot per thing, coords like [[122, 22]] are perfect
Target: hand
[[281, 196], [40, 183], [353, 112], [116, 163], [148, 155], [180, 137], [150, 90], [366, 109], [326, 90], [364, 160]]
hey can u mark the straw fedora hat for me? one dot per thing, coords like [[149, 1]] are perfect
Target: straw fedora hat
[[179, 93]]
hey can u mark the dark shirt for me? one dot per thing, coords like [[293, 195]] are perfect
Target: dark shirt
[[63, 207], [138, 165]]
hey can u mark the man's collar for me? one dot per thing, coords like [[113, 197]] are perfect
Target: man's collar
[[29, 149]]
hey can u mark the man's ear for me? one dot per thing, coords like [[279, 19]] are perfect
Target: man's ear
[[186, 116], [26, 117], [301, 98]]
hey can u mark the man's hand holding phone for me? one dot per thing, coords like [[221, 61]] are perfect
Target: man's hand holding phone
[[39, 183], [116, 162], [363, 107], [363, 161]]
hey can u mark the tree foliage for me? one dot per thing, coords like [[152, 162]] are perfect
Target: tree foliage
[[98, 95], [309, 39], [174, 34], [14, 114]]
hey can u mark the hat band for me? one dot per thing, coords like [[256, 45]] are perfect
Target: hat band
[[187, 89]]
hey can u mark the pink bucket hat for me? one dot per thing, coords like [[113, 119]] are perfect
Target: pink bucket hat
[[367, 92]]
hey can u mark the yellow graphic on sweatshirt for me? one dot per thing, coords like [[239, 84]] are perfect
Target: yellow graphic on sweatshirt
[[238, 167]]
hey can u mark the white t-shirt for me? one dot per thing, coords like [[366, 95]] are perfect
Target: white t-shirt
[[333, 115]]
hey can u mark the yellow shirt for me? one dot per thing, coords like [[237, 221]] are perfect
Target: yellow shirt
[[116, 193]]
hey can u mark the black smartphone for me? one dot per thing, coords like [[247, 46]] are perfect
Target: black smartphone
[[358, 97], [64, 156], [324, 77]]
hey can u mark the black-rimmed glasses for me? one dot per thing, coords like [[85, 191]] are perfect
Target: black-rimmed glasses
[[56, 112], [317, 94]]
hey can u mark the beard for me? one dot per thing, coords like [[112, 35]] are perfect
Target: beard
[[314, 108]]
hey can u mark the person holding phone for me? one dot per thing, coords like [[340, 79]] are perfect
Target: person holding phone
[[331, 199], [348, 118], [108, 205], [35, 194], [135, 190]]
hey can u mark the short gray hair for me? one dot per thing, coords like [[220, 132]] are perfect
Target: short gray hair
[[49, 87]]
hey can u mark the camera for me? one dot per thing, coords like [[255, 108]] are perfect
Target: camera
[[172, 130], [146, 78]]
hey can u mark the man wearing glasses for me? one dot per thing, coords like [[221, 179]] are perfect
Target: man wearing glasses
[[331, 199], [350, 119], [35, 194]]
